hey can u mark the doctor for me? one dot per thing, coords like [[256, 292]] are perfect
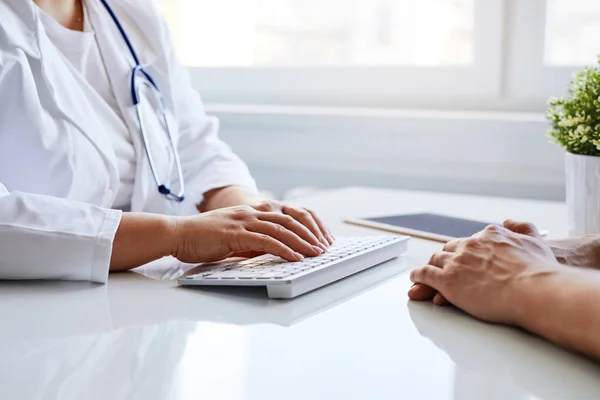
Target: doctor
[[106, 154]]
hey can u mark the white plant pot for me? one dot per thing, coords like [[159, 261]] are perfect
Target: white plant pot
[[583, 194]]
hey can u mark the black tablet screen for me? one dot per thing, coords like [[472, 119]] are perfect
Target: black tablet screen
[[433, 223]]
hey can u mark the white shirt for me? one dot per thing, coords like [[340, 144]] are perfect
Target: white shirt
[[82, 51]]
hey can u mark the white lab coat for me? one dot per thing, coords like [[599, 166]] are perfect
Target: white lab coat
[[58, 174]]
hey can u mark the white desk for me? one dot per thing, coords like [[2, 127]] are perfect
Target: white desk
[[143, 338]]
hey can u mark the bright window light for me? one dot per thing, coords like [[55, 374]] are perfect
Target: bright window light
[[572, 32], [322, 33]]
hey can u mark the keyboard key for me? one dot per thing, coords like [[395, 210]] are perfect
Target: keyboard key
[[269, 275]]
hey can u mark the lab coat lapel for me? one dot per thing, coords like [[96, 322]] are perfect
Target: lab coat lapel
[[66, 94], [19, 25]]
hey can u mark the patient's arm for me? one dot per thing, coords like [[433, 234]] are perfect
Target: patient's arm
[[564, 308], [583, 251]]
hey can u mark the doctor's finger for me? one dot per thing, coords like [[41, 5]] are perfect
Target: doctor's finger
[[322, 226], [305, 218], [285, 236], [248, 254], [251, 242], [293, 225]]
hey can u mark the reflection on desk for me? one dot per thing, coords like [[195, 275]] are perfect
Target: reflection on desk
[[516, 365], [143, 360], [46, 309], [66, 340]]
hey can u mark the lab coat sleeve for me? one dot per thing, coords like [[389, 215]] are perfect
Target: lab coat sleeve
[[208, 163], [43, 237]]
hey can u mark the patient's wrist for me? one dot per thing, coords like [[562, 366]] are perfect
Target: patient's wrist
[[534, 296], [529, 298]]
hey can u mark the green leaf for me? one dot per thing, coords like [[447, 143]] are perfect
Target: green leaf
[[575, 120]]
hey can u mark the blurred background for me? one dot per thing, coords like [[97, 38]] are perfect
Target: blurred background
[[441, 95]]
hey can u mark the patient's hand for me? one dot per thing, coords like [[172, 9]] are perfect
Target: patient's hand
[[421, 292], [486, 274]]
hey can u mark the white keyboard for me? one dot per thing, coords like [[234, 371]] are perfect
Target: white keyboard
[[285, 279]]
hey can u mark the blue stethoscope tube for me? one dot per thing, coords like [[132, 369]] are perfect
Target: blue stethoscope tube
[[149, 82]]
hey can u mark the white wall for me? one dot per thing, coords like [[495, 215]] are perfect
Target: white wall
[[500, 154]]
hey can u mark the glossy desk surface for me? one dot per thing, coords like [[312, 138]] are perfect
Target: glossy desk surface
[[143, 337]]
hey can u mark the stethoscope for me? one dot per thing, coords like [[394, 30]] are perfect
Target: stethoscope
[[140, 77]]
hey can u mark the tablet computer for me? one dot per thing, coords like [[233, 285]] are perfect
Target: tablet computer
[[441, 228]]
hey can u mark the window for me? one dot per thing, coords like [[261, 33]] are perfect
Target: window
[[476, 53], [359, 52], [323, 32], [547, 41], [572, 32]]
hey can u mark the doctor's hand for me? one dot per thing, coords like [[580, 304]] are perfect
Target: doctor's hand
[[219, 234], [211, 236], [483, 275], [236, 195]]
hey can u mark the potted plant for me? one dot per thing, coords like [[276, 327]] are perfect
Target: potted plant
[[575, 125]]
